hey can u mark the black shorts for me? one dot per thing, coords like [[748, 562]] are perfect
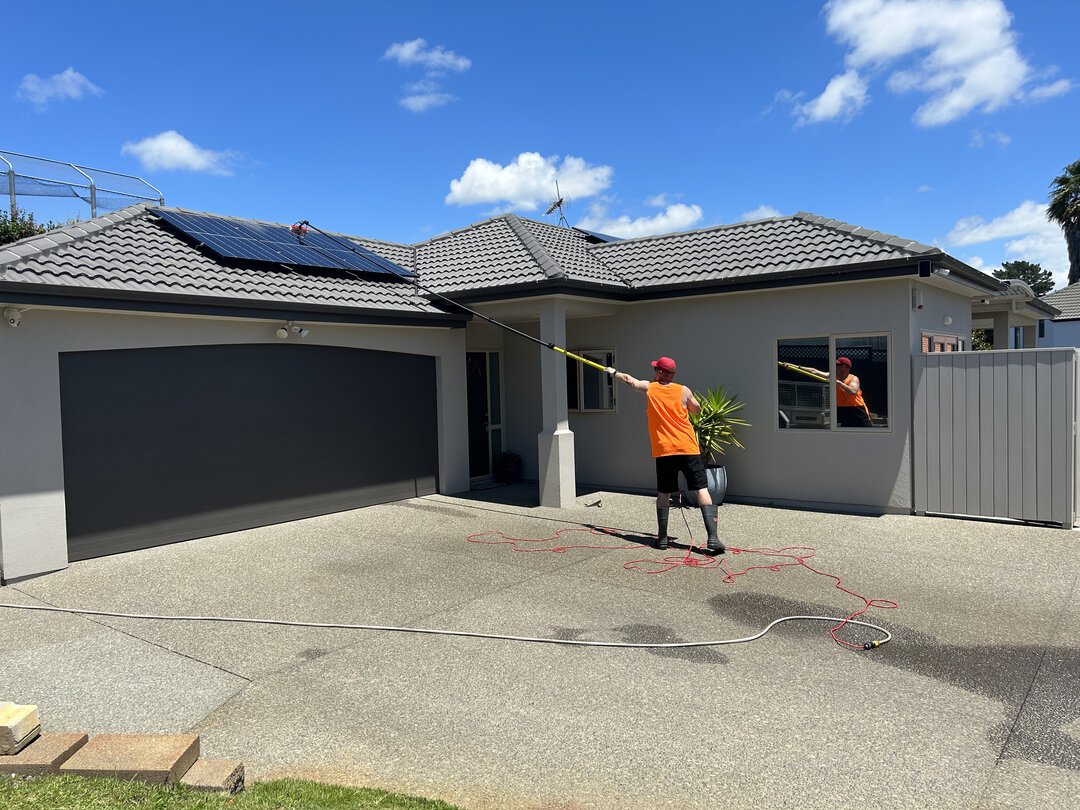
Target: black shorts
[[852, 416], [669, 467]]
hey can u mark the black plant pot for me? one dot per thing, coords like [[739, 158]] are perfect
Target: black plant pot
[[716, 475], [508, 470]]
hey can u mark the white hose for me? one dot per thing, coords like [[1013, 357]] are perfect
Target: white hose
[[467, 634]]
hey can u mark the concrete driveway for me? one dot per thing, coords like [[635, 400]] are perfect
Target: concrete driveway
[[976, 702]]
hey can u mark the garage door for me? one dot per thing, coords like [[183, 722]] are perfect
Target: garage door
[[162, 445]]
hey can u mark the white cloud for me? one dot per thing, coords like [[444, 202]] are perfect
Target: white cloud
[[980, 138], [961, 52], [416, 52], [657, 200], [425, 101], [427, 93], [761, 212], [923, 189], [1058, 88], [59, 87], [677, 217], [171, 150], [528, 181], [1027, 234], [844, 96]]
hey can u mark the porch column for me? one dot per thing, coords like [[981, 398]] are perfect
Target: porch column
[[1028, 333], [1002, 333], [555, 442]]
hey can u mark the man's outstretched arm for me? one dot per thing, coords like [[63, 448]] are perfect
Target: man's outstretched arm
[[633, 382]]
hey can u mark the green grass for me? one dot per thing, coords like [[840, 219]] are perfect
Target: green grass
[[77, 793]]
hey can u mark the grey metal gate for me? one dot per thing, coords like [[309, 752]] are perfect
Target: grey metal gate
[[994, 434]]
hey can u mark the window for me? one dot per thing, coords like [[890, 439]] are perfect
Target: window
[[869, 356], [809, 394], [587, 388], [803, 395]]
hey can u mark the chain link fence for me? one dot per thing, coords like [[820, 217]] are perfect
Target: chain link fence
[[57, 193]]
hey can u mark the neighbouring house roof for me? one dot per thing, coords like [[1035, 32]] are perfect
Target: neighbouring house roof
[[132, 253], [1067, 300], [1020, 292]]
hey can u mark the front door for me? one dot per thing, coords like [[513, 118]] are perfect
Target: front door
[[485, 411]]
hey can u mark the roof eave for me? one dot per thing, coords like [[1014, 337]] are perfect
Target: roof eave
[[154, 303]]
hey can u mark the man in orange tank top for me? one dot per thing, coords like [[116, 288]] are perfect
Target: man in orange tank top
[[851, 410], [674, 445]]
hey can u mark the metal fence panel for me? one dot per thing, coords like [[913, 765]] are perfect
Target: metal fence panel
[[994, 434]]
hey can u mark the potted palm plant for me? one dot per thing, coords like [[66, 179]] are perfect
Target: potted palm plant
[[716, 427]]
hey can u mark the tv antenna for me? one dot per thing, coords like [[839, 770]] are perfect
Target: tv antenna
[[558, 204]]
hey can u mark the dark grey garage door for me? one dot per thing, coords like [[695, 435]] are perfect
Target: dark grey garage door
[[162, 445]]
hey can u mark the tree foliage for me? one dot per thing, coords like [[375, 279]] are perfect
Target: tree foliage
[[982, 340], [1041, 281], [1064, 209], [19, 226]]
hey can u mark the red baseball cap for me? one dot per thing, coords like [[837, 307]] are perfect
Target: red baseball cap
[[664, 364], [843, 361]]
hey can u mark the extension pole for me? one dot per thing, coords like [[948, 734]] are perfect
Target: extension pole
[[791, 367], [546, 344]]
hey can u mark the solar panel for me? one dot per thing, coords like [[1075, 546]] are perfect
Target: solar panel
[[600, 237], [260, 242]]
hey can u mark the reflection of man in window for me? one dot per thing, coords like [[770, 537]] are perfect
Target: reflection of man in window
[[851, 410]]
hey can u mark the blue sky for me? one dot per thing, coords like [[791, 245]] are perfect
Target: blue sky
[[938, 120]]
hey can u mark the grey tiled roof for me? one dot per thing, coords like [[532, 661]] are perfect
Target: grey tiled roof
[[572, 251], [1067, 299], [488, 254], [508, 250], [131, 251], [779, 245]]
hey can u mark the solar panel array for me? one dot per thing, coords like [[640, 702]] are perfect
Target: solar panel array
[[261, 242]]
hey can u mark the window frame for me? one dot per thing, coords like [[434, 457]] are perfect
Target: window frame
[[579, 371]]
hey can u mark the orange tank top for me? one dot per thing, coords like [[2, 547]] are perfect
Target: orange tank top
[[670, 430], [847, 400]]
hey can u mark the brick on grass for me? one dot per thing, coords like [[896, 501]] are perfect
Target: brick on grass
[[155, 758], [224, 775], [46, 755]]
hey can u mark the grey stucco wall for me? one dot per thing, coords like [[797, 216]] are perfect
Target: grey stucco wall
[[32, 517], [731, 341]]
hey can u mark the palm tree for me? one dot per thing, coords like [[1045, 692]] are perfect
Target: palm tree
[[1064, 209]]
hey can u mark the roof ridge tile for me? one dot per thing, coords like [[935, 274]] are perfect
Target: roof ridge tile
[[548, 266]]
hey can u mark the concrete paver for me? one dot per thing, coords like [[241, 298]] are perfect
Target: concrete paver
[[978, 688], [48, 752], [218, 775], [155, 758]]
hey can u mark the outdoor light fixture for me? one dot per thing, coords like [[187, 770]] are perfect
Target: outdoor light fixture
[[291, 328], [12, 316]]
